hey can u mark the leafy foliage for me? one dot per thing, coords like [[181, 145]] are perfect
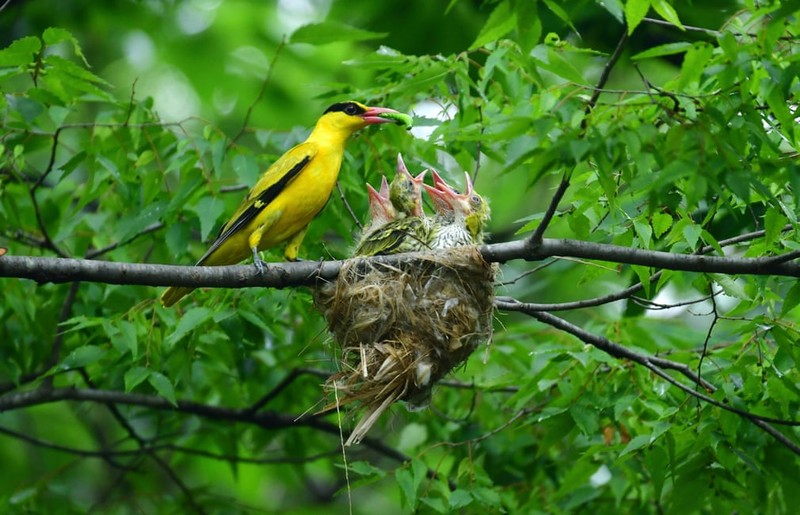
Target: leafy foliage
[[669, 137]]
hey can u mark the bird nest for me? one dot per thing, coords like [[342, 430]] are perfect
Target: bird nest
[[401, 327]]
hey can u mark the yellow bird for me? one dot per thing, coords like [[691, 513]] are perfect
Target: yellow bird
[[291, 192]]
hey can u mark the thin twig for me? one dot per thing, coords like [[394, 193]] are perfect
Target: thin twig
[[347, 205], [260, 94], [538, 234], [92, 254]]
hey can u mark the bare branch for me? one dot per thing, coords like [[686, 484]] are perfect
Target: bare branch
[[305, 273], [264, 419]]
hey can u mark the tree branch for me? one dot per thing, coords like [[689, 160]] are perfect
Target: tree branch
[[657, 366], [264, 419], [304, 273]]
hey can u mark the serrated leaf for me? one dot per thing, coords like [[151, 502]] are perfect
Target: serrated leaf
[[163, 386], [20, 52], [500, 22], [667, 12], [662, 50], [730, 286], [332, 32], [55, 35], [635, 11], [661, 223], [134, 377], [460, 498], [691, 234]]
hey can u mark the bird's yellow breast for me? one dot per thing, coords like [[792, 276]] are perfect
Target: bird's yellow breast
[[302, 199]]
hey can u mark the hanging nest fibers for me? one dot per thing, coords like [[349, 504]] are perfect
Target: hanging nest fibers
[[402, 327]]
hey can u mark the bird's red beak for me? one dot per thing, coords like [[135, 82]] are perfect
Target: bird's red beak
[[442, 200], [441, 185], [384, 188], [401, 168], [379, 204], [468, 184], [373, 115]]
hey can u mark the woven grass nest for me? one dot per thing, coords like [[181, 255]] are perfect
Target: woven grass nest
[[402, 327]]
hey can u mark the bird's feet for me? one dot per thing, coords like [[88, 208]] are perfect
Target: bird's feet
[[258, 262]]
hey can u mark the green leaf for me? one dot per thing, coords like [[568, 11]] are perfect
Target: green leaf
[[332, 32], [561, 13], [637, 442], [163, 386], [661, 223], [656, 461], [55, 35], [208, 211], [731, 286], [365, 468], [792, 299], [405, 481], [694, 64], [134, 377], [643, 231], [774, 222], [500, 22], [122, 335], [635, 11], [460, 498], [614, 7], [20, 52], [585, 418], [691, 234], [83, 356], [662, 50], [667, 12], [189, 321]]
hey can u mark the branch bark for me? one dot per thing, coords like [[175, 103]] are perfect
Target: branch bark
[[304, 273]]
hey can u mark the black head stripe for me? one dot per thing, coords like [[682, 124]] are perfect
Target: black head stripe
[[350, 108]]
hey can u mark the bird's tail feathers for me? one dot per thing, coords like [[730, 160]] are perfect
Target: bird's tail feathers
[[173, 294]]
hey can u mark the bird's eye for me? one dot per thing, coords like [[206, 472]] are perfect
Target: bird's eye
[[351, 109], [476, 200]]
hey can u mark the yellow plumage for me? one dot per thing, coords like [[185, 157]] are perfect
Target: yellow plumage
[[290, 193]]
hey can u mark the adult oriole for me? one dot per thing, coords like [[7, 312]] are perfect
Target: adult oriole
[[291, 192]]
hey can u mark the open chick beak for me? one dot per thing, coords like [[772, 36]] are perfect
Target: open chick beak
[[442, 200], [384, 191], [379, 203], [441, 185], [401, 166], [468, 185]]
